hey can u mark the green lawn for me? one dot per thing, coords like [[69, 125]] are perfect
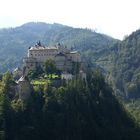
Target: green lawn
[[40, 82], [44, 80]]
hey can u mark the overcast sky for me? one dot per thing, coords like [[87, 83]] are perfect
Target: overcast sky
[[116, 18]]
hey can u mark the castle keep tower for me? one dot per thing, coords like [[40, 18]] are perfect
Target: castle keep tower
[[24, 88]]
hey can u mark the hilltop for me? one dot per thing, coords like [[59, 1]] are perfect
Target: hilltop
[[117, 59]]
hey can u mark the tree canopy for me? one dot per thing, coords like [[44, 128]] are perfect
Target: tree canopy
[[82, 109]]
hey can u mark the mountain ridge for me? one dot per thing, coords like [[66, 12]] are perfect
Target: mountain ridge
[[15, 41]]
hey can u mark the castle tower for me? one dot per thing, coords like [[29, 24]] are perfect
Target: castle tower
[[24, 88]]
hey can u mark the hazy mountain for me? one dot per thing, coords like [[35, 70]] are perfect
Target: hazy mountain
[[14, 42]]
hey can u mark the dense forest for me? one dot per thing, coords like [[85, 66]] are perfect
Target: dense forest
[[79, 109]]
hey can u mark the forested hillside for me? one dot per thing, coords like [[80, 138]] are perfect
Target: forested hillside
[[77, 110], [126, 66], [14, 42]]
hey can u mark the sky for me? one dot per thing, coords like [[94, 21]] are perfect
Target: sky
[[116, 18]]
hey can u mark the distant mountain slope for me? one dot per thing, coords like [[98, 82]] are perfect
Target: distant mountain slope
[[14, 42], [126, 68]]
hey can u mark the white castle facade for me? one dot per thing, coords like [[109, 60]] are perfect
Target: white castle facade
[[62, 57]]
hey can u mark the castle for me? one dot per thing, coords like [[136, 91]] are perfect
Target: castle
[[63, 57], [38, 54]]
